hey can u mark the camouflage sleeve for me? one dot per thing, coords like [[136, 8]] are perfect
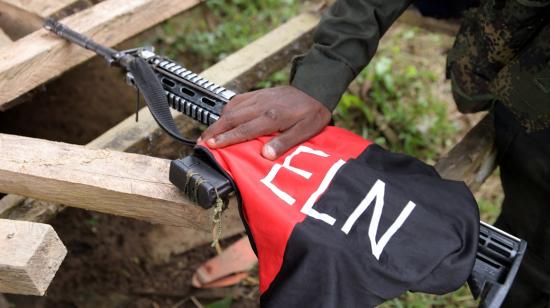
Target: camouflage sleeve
[[344, 42], [490, 37], [523, 85]]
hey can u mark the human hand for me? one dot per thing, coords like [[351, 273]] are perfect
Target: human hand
[[286, 109]]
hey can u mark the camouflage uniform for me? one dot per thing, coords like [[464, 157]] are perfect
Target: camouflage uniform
[[502, 52], [500, 61]]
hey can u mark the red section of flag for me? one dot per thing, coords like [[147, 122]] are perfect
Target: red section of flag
[[270, 217]]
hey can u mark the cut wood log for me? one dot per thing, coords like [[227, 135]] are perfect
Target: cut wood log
[[258, 60], [106, 181], [41, 55], [30, 255], [473, 159]]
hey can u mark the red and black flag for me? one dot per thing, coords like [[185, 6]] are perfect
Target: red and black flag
[[340, 222]]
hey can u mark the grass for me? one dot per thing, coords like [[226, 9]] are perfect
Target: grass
[[214, 30], [392, 101]]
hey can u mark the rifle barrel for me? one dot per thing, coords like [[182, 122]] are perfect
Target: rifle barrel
[[80, 39]]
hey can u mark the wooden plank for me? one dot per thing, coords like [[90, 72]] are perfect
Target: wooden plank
[[257, 62], [41, 55], [4, 38], [30, 256], [106, 181], [21, 17], [40, 8], [473, 159], [17, 22]]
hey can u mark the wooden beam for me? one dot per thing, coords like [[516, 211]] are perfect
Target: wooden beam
[[4, 38], [41, 56], [106, 181], [40, 8], [17, 22], [473, 159], [20, 17], [257, 60], [30, 256]]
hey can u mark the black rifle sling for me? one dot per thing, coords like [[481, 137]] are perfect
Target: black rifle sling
[[148, 84]]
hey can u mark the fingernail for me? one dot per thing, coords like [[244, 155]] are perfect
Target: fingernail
[[269, 152], [211, 142], [199, 140]]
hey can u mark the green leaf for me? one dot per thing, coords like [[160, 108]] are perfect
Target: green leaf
[[383, 66], [223, 303]]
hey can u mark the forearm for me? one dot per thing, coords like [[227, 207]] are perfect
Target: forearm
[[344, 43]]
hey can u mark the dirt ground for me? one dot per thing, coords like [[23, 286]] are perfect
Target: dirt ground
[[108, 265]]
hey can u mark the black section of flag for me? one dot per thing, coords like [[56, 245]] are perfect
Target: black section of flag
[[433, 250]]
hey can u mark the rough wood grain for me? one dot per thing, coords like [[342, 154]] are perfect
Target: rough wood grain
[[21, 17], [40, 8], [112, 182], [258, 60], [17, 22], [4, 38], [41, 55], [473, 159], [30, 255]]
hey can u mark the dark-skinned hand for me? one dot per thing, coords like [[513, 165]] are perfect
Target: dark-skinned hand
[[287, 110]]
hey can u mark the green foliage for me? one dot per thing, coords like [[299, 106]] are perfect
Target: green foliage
[[221, 27], [223, 303], [489, 209], [459, 299], [391, 103], [276, 79]]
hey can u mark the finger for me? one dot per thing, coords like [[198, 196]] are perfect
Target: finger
[[296, 134], [228, 121], [239, 98], [244, 132]]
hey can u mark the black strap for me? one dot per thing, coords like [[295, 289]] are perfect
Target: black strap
[[148, 84]]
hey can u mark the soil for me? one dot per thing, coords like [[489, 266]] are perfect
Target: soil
[[108, 265]]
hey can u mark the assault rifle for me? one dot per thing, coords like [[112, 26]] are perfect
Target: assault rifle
[[165, 83]]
